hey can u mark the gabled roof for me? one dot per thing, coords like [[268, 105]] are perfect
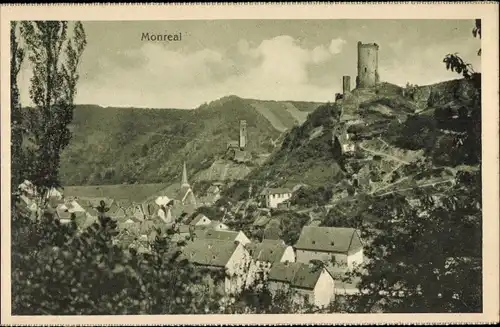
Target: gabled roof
[[209, 252], [329, 239], [63, 213], [211, 234], [115, 210], [216, 223], [278, 190], [198, 218], [297, 274], [267, 250], [183, 192]]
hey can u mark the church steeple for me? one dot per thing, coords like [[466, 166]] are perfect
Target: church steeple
[[184, 176]]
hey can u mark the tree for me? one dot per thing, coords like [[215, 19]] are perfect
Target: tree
[[426, 258], [471, 140], [57, 269], [54, 58], [455, 63], [16, 59]]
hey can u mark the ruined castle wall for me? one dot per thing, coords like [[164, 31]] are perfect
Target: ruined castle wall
[[346, 84], [367, 65]]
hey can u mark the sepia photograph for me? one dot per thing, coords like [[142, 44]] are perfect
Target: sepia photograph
[[245, 166]]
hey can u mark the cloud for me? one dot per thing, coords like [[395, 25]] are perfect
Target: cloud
[[276, 68], [320, 54], [154, 75], [336, 45]]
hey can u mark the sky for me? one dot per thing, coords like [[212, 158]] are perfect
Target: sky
[[301, 60]]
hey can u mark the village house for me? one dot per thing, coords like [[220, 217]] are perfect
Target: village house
[[200, 220], [274, 196], [229, 259], [224, 235], [309, 283], [266, 253], [339, 246]]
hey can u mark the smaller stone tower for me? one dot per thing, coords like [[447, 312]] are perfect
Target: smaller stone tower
[[184, 182], [346, 84], [243, 134], [367, 65]]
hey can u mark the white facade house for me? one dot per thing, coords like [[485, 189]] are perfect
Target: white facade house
[[229, 256], [274, 196], [264, 255], [308, 284], [339, 245]]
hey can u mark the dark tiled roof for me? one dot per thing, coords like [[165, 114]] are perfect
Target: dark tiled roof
[[214, 224], [267, 250], [197, 219], [63, 213], [211, 234], [209, 252], [329, 239], [296, 274]]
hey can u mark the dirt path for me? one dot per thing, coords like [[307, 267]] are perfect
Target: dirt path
[[418, 186]]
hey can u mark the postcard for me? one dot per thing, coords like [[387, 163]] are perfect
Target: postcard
[[250, 164]]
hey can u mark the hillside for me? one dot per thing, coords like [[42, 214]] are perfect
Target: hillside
[[375, 142], [128, 145]]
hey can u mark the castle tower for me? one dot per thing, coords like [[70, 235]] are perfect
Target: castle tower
[[367, 65], [243, 134], [346, 84], [184, 176]]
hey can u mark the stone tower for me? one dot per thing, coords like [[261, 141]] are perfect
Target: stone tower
[[346, 84], [243, 134], [367, 65]]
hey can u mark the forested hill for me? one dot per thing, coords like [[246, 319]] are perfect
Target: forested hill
[[128, 145]]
